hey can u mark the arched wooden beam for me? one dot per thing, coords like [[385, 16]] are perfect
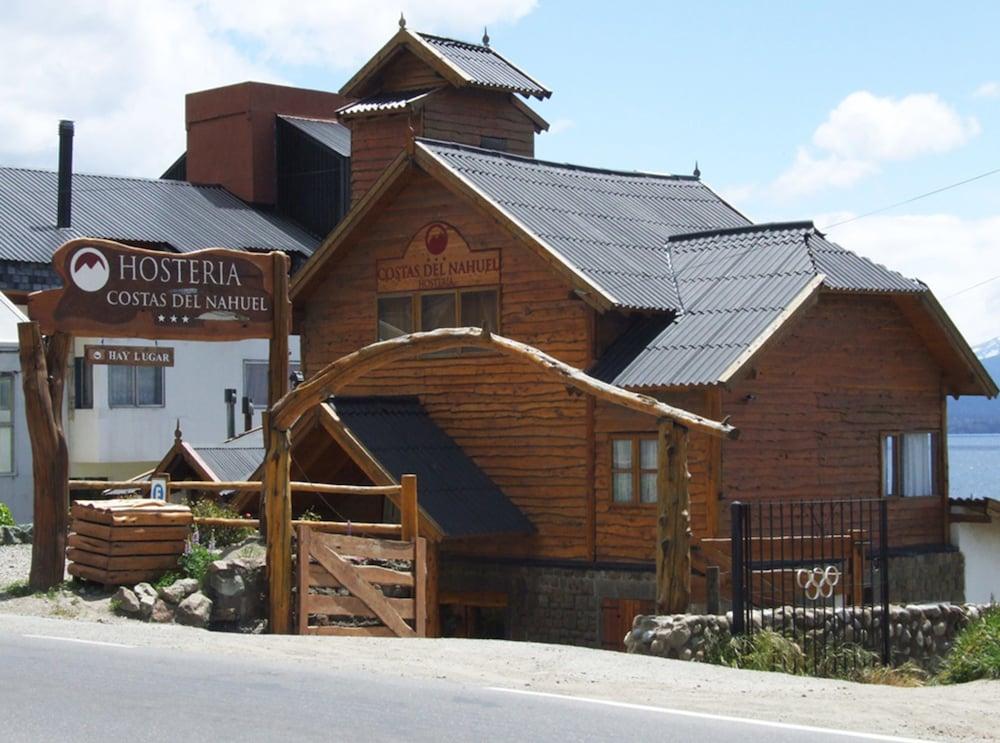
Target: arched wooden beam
[[347, 369]]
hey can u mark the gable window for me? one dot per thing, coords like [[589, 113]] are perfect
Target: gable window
[[493, 143], [909, 463], [135, 386], [456, 308], [633, 470], [255, 381], [6, 424]]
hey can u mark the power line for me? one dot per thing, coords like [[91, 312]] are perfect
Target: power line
[[970, 288], [911, 200]]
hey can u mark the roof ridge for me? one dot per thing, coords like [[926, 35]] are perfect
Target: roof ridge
[[309, 118], [565, 166], [761, 227], [471, 44]]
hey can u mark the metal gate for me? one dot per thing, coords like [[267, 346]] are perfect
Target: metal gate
[[815, 572]]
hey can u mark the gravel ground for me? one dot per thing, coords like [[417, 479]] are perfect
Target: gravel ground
[[15, 563]]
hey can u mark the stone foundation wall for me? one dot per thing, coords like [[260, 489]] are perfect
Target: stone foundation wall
[[922, 633], [927, 576], [546, 603]]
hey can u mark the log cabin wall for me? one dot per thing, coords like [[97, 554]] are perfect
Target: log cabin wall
[[467, 116], [811, 421], [529, 435], [408, 72], [375, 142]]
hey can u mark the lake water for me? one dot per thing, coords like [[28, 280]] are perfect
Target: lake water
[[974, 465]]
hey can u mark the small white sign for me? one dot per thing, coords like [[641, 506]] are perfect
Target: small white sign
[[158, 487]]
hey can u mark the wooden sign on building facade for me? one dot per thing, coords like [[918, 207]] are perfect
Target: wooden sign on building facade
[[438, 258], [129, 355]]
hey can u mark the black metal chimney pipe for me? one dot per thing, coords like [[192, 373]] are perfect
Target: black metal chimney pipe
[[64, 213]]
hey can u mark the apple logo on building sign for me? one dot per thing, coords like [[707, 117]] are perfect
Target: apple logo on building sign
[[89, 269], [436, 239]]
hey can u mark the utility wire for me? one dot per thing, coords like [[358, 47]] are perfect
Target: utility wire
[[970, 288], [911, 200]]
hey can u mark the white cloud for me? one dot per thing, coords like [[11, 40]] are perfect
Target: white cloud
[[987, 90], [120, 69], [865, 130], [948, 253], [561, 125]]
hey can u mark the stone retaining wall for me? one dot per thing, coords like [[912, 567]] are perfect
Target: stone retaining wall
[[922, 633]]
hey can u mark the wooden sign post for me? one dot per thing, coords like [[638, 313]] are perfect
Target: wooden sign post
[[114, 290]]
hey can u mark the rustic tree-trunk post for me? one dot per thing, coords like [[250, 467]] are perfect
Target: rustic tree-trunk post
[[409, 513], [278, 509], [432, 595], [673, 532], [43, 367]]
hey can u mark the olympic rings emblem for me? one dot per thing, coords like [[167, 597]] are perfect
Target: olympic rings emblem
[[818, 582]]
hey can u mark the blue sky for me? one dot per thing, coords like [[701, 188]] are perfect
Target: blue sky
[[794, 110]]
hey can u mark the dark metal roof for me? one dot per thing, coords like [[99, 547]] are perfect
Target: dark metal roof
[[452, 489], [734, 285], [232, 463], [485, 67], [611, 226], [392, 101], [330, 134], [173, 214]]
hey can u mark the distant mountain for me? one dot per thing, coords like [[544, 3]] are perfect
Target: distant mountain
[[977, 414]]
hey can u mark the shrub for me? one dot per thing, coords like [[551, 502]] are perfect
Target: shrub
[[310, 514], [195, 561], [220, 536], [6, 519], [761, 651], [976, 652], [168, 580]]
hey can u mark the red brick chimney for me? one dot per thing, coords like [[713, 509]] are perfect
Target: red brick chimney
[[230, 133]]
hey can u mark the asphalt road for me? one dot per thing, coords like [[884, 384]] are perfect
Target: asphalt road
[[55, 689]]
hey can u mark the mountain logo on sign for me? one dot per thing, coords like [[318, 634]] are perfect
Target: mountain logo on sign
[[436, 239], [89, 269]]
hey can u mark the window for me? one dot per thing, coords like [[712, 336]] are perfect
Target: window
[[633, 470], [255, 381], [83, 384], [399, 314], [6, 424], [135, 386], [493, 143], [909, 463]]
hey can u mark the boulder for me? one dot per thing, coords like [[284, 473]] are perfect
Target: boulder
[[15, 534], [162, 613], [145, 589], [179, 590], [146, 604], [236, 587], [195, 610], [125, 601]]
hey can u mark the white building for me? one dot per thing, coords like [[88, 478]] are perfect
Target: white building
[[15, 449]]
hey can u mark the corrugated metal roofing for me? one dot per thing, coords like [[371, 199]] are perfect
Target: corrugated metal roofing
[[485, 67], [331, 134], [392, 101], [612, 226], [733, 284], [452, 489], [232, 463], [176, 214]]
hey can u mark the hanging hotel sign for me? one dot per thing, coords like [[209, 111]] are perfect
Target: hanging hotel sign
[[110, 289], [129, 355], [438, 258]]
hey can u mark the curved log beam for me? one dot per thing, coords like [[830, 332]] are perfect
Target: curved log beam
[[347, 369]]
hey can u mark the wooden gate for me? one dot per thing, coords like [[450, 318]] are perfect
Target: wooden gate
[[355, 586]]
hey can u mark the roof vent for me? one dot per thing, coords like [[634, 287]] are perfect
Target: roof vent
[[64, 206]]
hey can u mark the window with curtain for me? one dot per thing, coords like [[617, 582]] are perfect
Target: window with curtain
[[255, 380], [909, 463], [135, 386], [633, 470], [6, 424], [455, 308]]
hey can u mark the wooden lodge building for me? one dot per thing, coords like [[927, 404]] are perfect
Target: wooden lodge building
[[543, 503]]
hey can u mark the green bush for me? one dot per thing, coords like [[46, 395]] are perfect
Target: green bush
[[976, 652], [220, 536], [6, 519], [761, 651], [168, 580], [195, 561]]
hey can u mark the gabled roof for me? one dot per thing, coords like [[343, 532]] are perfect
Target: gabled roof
[[460, 498], [173, 214], [460, 63], [331, 134], [10, 316], [231, 463]]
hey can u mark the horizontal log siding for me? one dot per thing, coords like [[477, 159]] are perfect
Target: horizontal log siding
[[375, 142], [627, 533], [465, 116], [849, 370], [528, 434], [407, 72]]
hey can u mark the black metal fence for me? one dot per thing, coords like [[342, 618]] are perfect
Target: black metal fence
[[816, 572]]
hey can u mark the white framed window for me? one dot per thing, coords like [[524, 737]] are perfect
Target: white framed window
[[6, 424], [910, 463], [633, 470], [136, 387], [255, 380], [403, 313]]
